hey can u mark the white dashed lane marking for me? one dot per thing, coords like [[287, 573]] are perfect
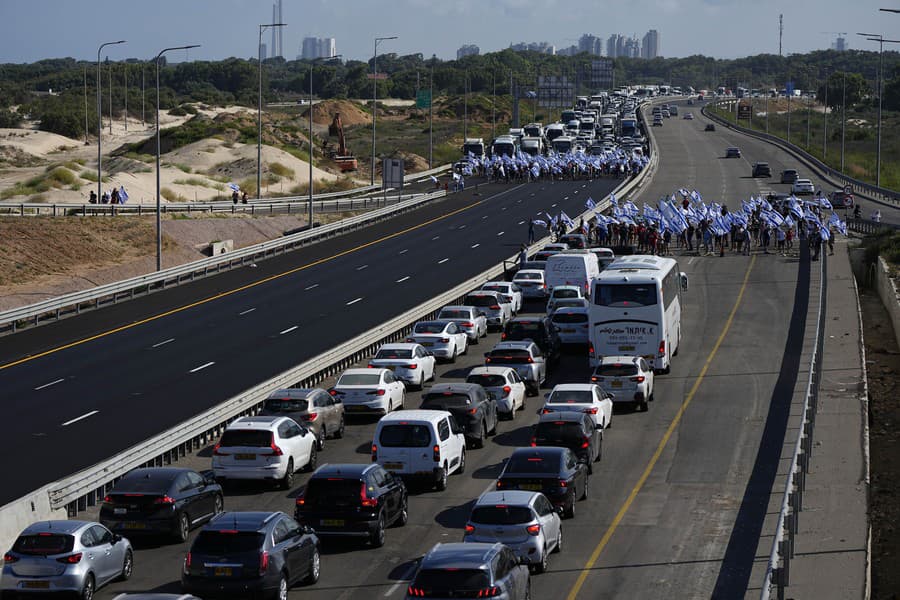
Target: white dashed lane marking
[[475, 246], [402, 279], [288, 330], [443, 260], [307, 288], [163, 343], [361, 267], [250, 310], [354, 301], [84, 416], [201, 367], [46, 385]]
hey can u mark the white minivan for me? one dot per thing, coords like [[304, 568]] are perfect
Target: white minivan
[[426, 444], [572, 267]]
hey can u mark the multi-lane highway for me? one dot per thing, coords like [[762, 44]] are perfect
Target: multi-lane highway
[[678, 501]]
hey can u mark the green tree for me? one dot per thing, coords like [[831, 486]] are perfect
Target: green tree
[[856, 89]]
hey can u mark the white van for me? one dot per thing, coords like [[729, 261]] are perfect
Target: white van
[[426, 444], [572, 268]]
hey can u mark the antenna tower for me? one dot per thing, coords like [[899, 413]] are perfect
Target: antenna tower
[[780, 31]]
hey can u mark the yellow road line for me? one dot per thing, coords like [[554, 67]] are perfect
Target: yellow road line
[[234, 291], [573, 593]]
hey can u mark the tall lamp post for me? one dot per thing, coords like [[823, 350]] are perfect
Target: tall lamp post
[[100, 116], [158, 208], [375, 96], [311, 63], [875, 37], [843, 114], [262, 28], [825, 120]]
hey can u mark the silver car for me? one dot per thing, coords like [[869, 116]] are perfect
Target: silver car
[[313, 408], [492, 304], [475, 570], [467, 318], [523, 356], [523, 520], [66, 556]]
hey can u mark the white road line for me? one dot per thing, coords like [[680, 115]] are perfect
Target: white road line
[[360, 268], [520, 223], [484, 217], [575, 191], [552, 206], [504, 208], [437, 237], [163, 343], [46, 385], [404, 579], [475, 246], [288, 330], [201, 367], [566, 198], [462, 226], [501, 233], [403, 251], [250, 310], [443, 260], [402, 279], [309, 287], [354, 301], [84, 416], [692, 260]]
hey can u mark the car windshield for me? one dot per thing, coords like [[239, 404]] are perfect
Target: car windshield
[[332, 491], [441, 400], [455, 314], [528, 276], [570, 318], [625, 295], [227, 542], [487, 380], [429, 327], [246, 437], [501, 515], [571, 397], [530, 463], [405, 436], [285, 405], [389, 353], [145, 482], [44, 544], [450, 583], [509, 355], [523, 329], [616, 370], [549, 433], [565, 293], [359, 379], [481, 300], [495, 288]]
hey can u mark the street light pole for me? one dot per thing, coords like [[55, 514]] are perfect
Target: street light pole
[[311, 63], [431, 115], [262, 28], [825, 121], [875, 37], [375, 96], [843, 115], [100, 118], [158, 207], [466, 106]]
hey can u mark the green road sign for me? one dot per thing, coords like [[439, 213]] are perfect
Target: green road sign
[[423, 99]]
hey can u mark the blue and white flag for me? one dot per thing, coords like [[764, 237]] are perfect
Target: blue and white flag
[[824, 203], [824, 233], [630, 209], [540, 222], [234, 187], [590, 204], [123, 195], [796, 208], [566, 219], [434, 179]]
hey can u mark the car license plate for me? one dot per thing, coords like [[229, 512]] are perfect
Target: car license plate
[[333, 522], [120, 511], [616, 384], [222, 572], [133, 525], [36, 585], [245, 457], [355, 408], [393, 466], [535, 487], [626, 348], [428, 344], [567, 330]]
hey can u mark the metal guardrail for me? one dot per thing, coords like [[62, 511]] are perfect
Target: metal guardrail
[[778, 569], [74, 303], [874, 192], [869, 227]]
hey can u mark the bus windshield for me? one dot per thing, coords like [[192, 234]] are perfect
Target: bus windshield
[[641, 294]]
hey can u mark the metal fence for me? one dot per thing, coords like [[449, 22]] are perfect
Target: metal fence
[[869, 227], [778, 570]]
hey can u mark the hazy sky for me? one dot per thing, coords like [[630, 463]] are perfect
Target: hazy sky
[[36, 29]]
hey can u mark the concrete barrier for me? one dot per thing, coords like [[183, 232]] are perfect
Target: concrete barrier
[[20, 513], [221, 247], [887, 291]]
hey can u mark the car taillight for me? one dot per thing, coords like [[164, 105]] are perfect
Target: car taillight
[[187, 563], [445, 340], [374, 453], [300, 501], [467, 324], [472, 411], [503, 336], [586, 442], [410, 340], [415, 592], [378, 392], [334, 392], [436, 453], [164, 500], [9, 558], [364, 499], [533, 529], [107, 499], [546, 411], [529, 360], [490, 592], [487, 359], [506, 390], [591, 411], [595, 379], [470, 528], [310, 416], [639, 378], [533, 442], [591, 350], [72, 559], [563, 483], [494, 307], [499, 484], [276, 451], [662, 348], [217, 451], [263, 563], [411, 366]]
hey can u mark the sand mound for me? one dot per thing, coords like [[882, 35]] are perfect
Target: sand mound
[[351, 113], [36, 142], [412, 163]]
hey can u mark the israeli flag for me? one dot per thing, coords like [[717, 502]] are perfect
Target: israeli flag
[[540, 222], [613, 201], [590, 204], [234, 187], [566, 219], [796, 208], [824, 203], [123, 195], [789, 222], [824, 234]]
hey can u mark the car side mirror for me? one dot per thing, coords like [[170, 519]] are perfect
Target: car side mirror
[[559, 510], [481, 313], [609, 396], [306, 529], [429, 353], [684, 281], [116, 538], [522, 561]]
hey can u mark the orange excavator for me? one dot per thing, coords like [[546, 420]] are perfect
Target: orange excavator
[[341, 156]]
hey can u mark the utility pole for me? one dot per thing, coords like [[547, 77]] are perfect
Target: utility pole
[[85, 107], [780, 32], [143, 123], [110, 97], [494, 106], [825, 121], [126, 97], [843, 115], [431, 116]]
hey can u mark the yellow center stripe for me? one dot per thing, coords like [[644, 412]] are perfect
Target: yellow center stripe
[[573, 593]]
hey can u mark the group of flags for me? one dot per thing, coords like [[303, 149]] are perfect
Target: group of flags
[[556, 163]]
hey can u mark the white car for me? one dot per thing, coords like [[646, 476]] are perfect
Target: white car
[[584, 397], [467, 318], [628, 378], [411, 363], [802, 187], [505, 384], [509, 289], [369, 391], [264, 448], [525, 357], [557, 246], [443, 338], [532, 283], [497, 310], [571, 323], [561, 292]]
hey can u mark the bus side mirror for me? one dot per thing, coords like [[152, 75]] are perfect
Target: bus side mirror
[[684, 281]]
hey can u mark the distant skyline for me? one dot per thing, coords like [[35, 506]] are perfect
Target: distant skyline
[[39, 29]]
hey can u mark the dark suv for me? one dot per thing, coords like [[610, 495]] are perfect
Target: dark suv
[[572, 430], [762, 169], [349, 500], [469, 404], [250, 554], [538, 329], [161, 500]]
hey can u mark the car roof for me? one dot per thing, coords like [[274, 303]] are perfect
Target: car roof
[[566, 415], [514, 345], [457, 388], [350, 470], [511, 497], [573, 387], [566, 287], [434, 321], [460, 555], [619, 359], [538, 271], [257, 422], [539, 451], [399, 346], [490, 370], [241, 520], [420, 414], [456, 307], [63, 527], [503, 283], [527, 319], [155, 473], [292, 393], [483, 293], [358, 371], [572, 310]]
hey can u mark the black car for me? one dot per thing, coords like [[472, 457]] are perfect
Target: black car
[[350, 500], [475, 412], [538, 329], [554, 471], [762, 169], [572, 430], [161, 500], [574, 240], [789, 176], [709, 127], [250, 554]]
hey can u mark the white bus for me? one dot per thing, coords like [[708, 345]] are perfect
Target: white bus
[[635, 310]]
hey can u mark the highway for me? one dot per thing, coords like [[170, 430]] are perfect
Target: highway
[[677, 503]]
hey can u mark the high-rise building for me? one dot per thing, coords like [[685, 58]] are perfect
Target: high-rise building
[[467, 50], [590, 44], [312, 48], [277, 39], [840, 44], [632, 48], [650, 46], [613, 44], [542, 47]]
